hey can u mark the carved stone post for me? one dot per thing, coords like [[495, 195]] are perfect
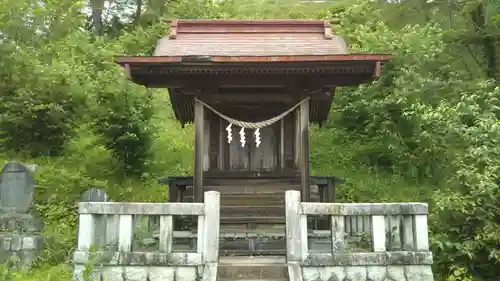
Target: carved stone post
[[18, 227]]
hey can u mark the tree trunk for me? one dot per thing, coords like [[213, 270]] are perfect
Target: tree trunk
[[97, 8], [138, 11], [488, 42]]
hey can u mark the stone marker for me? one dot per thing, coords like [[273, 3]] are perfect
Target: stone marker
[[95, 195], [18, 227], [17, 187]]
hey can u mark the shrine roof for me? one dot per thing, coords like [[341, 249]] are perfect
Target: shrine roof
[[250, 38], [295, 54], [220, 47]]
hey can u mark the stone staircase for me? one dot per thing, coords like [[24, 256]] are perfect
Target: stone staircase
[[252, 214], [253, 217], [269, 268]]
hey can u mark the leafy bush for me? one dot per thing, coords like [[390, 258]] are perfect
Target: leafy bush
[[428, 122], [123, 120]]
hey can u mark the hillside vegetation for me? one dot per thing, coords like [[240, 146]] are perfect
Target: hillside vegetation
[[428, 130]]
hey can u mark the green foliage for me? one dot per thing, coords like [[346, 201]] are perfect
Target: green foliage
[[427, 130], [40, 101], [123, 121], [425, 120]]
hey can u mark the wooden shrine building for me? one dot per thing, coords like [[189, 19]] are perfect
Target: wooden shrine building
[[252, 87]]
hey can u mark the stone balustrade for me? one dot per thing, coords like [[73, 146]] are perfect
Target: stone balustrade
[[105, 241], [397, 237]]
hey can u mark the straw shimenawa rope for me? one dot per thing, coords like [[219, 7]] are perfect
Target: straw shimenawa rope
[[253, 125]]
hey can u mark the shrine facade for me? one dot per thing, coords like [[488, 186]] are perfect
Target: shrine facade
[[252, 89]]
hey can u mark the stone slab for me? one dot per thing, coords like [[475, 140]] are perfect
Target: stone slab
[[12, 242], [16, 222], [364, 209], [364, 259], [368, 273], [138, 258], [143, 209]]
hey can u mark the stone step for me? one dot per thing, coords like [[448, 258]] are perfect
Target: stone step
[[252, 220], [274, 279], [253, 181], [236, 228], [252, 211], [254, 188], [247, 188], [243, 199], [238, 233], [252, 253], [277, 192], [252, 268]]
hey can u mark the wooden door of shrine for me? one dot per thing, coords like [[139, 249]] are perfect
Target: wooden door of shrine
[[250, 158]]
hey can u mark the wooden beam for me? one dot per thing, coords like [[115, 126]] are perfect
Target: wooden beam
[[198, 151], [289, 81], [250, 98], [304, 149]]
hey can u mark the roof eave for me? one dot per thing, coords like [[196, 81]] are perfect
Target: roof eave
[[136, 60]]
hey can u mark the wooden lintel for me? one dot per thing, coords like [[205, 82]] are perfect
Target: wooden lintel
[[197, 89], [326, 81], [249, 98]]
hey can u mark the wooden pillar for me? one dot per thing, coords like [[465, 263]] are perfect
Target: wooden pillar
[[222, 140], [282, 145], [199, 124], [304, 151], [296, 138]]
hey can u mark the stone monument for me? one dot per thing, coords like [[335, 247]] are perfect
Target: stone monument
[[19, 228]]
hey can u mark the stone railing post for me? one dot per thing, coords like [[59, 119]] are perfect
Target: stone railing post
[[209, 229], [293, 222]]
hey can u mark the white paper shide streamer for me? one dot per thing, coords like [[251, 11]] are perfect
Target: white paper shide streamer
[[229, 136], [242, 136]]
